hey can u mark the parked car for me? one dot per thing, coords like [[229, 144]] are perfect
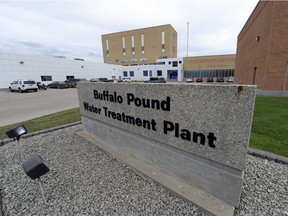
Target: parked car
[[41, 86], [189, 80], [23, 85], [58, 85], [127, 79], [230, 79], [98, 80], [210, 79], [220, 79], [72, 82], [156, 80], [200, 79]]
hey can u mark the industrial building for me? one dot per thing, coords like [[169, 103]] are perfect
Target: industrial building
[[47, 69], [209, 66], [262, 48], [140, 46]]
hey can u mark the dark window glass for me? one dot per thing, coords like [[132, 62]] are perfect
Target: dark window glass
[[125, 74], [159, 72], [46, 78], [145, 73]]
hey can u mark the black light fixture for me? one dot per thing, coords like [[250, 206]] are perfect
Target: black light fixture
[[17, 132], [35, 167]]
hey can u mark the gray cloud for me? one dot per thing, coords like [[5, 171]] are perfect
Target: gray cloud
[[73, 28]]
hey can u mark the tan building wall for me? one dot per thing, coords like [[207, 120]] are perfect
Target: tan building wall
[[209, 62], [262, 47], [153, 45]]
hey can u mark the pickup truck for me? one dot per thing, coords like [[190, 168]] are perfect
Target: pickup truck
[[156, 80]]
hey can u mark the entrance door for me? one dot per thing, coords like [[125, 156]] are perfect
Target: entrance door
[[173, 75]]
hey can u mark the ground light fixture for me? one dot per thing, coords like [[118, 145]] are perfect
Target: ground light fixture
[[35, 167], [17, 132]]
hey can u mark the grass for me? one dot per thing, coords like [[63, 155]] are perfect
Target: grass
[[45, 122], [269, 128], [270, 125]]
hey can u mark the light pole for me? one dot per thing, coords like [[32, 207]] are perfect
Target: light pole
[[187, 38]]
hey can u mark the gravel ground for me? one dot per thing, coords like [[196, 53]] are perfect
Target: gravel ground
[[84, 180]]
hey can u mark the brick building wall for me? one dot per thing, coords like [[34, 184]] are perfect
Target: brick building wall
[[262, 47], [147, 45]]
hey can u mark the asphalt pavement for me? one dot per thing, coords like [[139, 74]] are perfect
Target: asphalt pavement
[[17, 107]]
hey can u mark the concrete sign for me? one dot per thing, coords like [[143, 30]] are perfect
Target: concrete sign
[[197, 133]]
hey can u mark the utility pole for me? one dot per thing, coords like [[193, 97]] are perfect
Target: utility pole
[[187, 38]]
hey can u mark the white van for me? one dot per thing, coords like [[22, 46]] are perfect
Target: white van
[[23, 85]]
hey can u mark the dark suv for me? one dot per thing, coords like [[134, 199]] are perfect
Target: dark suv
[[156, 80], [72, 82]]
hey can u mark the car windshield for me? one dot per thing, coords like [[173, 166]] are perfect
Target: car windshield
[[29, 82], [153, 78]]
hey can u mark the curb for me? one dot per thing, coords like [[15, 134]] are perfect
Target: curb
[[267, 155], [7, 140], [251, 151]]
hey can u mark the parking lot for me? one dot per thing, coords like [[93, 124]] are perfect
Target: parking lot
[[16, 107]]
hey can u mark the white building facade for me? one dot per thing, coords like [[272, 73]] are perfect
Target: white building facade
[[48, 69]]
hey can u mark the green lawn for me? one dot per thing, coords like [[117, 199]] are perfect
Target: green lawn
[[45, 122], [270, 125], [269, 129]]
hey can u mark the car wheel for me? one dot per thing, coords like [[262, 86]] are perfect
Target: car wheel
[[35, 90], [20, 90], [10, 89]]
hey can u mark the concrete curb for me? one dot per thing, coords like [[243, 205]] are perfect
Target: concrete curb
[[267, 155], [251, 151], [7, 140]]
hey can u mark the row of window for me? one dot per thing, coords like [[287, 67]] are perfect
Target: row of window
[[208, 73], [133, 44], [145, 73]]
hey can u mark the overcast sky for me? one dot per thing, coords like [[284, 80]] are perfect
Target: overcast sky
[[73, 28]]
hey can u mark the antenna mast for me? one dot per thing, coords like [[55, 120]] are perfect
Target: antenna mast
[[187, 38]]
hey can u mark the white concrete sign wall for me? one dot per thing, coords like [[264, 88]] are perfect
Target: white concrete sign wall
[[197, 133]]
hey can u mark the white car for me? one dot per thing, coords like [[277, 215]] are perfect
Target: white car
[[23, 85]]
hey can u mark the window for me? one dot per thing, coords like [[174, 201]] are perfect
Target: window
[[159, 72], [163, 41], [150, 73], [145, 73], [133, 45], [46, 78], [142, 43], [69, 77], [175, 64], [125, 74], [132, 40], [131, 73], [107, 47], [133, 60], [123, 46], [143, 59], [124, 61], [123, 42]]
